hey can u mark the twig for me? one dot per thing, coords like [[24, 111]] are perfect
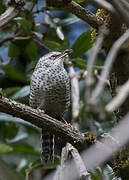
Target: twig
[[27, 174], [122, 6], [96, 48], [119, 99], [107, 66], [13, 10], [100, 173], [41, 44], [41, 120], [114, 178], [57, 174], [79, 11], [75, 97], [64, 158], [83, 173], [106, 5], [33, 4], [14, 38]]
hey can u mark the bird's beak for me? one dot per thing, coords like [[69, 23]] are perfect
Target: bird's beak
[[65, 53]]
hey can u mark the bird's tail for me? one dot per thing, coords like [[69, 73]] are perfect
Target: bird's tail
[[47, 147]]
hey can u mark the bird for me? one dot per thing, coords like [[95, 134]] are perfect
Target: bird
[[50, 92]]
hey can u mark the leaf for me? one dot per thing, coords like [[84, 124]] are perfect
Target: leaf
[[51, 22], [82, 44], [54, 45], [80, 63], [23, 92], [67, 21], [23, 148], [13, 50], [65, 44], [25, 23], [2, 7], [8, 118], [38, 34], [22, 165], [31, 51], [13, 73], [11, 130], [79, 1], [9, 91], [4, 148], [19, 137]]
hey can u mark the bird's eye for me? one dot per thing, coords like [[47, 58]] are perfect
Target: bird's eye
[[53, 56]]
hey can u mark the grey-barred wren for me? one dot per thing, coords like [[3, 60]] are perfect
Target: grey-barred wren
[[50, 91]]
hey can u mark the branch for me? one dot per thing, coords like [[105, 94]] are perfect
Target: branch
[[75, 96], [119, 99], [64, 158], [83, 173], [122, 6], [89, 80], [79, 11], [106, 5], [108, 65], [12, 11], [41, 120], [14, 38], [100, 173]]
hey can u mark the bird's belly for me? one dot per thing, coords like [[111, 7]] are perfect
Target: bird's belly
[[54, 93], [56, 101]]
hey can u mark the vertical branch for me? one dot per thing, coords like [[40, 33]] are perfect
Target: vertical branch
[[108, 65], [89, 81], [75, 96], [106, 5], [122, 6], [57, 175], [83, 173], [64, 158], [100, 173]]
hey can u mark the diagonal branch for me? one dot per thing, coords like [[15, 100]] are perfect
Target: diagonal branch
[[78, 10], [12, 11], [38, 118]]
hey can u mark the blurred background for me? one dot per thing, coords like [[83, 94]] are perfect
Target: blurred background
[[35, 31]]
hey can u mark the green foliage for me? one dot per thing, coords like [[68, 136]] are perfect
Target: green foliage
[[4, 148], [79, 1], [9, 91], [27, 25], [53, 45], [31, 51], [13, 73], [22, 148], [13, 50], [82, 44]]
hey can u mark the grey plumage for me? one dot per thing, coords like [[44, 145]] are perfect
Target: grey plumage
[[50, 91]]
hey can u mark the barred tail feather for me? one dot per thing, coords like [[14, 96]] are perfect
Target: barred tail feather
[[47, 147]]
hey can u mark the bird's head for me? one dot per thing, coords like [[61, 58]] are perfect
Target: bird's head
[[55, 57]]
